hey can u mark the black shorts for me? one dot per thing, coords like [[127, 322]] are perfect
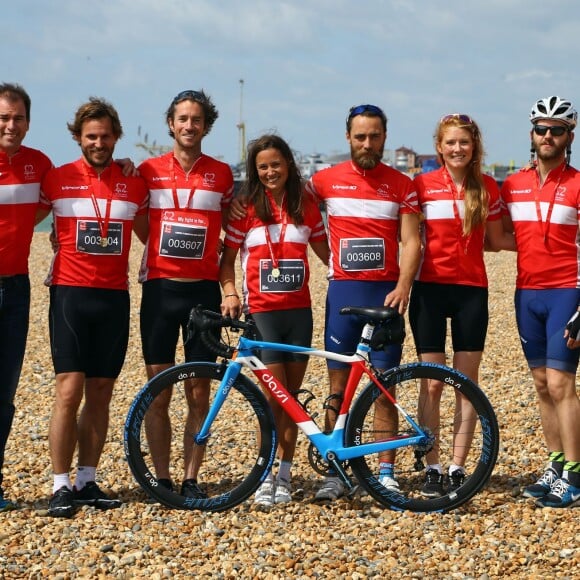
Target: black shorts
[[89, 330], [287, 326], [432, 304], [165, 308]]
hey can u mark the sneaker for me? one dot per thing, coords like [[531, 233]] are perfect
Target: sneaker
[[61, 504], [91, 494], [190, 488], [332, 488], [543, 485], [165, 483], [6, 505], [283, 492], [562, 494], [455, 480], [265, 494], [433, 486], [389, 483]]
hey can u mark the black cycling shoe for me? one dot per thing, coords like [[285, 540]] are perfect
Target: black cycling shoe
[[190, 488], [433, 484], [166, 483], [61, 504], [456, 479], [92, 495]]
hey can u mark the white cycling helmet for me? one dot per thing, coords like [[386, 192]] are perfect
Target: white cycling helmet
[[554, 108]]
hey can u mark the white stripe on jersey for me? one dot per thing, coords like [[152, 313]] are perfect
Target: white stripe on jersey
[[362, 208], [295, 234], [525, 211], [17, 194], [442, 209], [201, 199], [72, 207]]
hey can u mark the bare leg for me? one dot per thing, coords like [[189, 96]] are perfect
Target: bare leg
[[93, 421], [158, 426], [63, 430], [197, 395], [562, 416]]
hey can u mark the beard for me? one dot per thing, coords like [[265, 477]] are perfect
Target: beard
[[366, 159], [554, 152]]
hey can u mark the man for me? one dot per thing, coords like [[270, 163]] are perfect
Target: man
[[543, 201], [21, 172], [189, 195], [369, 205], [95, 207]]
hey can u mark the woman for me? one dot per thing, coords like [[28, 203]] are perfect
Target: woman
[[461, 209], [273, 237]]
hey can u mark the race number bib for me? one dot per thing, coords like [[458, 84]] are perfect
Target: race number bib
[[362, 254], [288, 277], [90, 241], [183, 235]]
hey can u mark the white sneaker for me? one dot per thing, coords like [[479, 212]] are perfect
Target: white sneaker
[[390, 483], [332, 488], [265, 494], [283, 492]]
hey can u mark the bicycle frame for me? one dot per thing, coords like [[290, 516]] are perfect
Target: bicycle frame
[[326, 443]]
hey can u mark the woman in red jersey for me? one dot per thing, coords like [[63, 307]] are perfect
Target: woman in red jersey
[[273, 238], [461, 207]]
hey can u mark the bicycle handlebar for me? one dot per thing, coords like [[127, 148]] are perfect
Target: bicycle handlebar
[[208, 325]]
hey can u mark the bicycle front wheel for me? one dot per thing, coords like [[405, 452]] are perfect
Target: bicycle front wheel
[[235, 458], [459, 418]]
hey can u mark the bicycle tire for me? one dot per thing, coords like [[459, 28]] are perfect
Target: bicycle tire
[[237, 455], [482, 455]]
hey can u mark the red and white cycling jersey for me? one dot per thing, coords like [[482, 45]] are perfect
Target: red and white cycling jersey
[[93, 221], [278, 281], [546, 227], [363, 209], [450, 257], [185, 217], [20, 178]]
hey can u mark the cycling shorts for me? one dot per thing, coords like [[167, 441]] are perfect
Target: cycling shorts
[[541, 316], [89, 330], [342, 331], [432, 304], [287, 326], [165, 308]]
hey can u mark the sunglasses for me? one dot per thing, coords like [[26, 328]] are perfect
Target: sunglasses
[[193, 95], [459, 116], [374, 110], [556, 131]]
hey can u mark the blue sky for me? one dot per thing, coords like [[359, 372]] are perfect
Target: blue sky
[[304, 64]]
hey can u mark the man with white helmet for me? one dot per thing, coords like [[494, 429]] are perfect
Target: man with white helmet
[[543, 209]]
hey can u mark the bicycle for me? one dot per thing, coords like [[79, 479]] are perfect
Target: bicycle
[[239, 439]]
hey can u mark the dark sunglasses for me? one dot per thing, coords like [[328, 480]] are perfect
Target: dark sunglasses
[[373, 109], [193, 95], [556, 130], [459, 116]]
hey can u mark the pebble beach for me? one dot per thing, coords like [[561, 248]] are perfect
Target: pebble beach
[[498, 534]]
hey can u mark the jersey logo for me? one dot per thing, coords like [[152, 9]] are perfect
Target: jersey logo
[[121, 189], [29, 172], [209, 179]]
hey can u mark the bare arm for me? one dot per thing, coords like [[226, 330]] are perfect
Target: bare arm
[[497, 238], [410, 257], [231, 304], [141, 227], [321, 250]]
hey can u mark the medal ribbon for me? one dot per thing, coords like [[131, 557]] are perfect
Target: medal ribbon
[[284, 218], [457, 195], [103, 222], [545, 227], [174, 186]]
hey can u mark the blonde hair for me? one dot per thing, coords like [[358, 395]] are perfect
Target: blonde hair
[[476, 197]]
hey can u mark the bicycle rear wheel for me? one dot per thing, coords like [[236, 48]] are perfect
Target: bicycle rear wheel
[[363, 427], [236, 457]]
